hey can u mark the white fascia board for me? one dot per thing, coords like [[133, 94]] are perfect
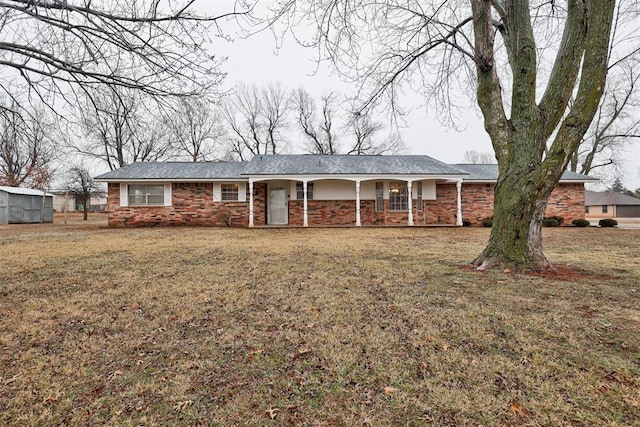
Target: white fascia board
[[386, 177], [147, 180]]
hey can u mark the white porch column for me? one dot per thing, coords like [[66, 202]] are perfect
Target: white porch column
[[410, 203], [250, 203], [305, 217], [358, 223], [459, 213]]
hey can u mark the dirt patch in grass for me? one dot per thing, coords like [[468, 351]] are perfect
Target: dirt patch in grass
[[205, 326], [562, 272]]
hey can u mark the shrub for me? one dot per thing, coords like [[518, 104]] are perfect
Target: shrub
[[581, 222], [558, 218], [550, 222], [487, 222], [608, 222]]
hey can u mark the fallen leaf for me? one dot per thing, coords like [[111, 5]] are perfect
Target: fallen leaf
[[390, 390], [273, 413], [518, 409], [446, 346], [431, 338]]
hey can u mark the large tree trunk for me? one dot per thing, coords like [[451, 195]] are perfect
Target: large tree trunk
[[516, 235], [528, 171]]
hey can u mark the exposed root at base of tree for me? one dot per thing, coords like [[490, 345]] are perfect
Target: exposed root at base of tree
[[561, 272], [483, 263]]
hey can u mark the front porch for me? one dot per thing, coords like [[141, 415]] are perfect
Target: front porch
[[330, 202]]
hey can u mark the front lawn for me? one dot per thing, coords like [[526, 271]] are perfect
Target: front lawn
[[333, 327]]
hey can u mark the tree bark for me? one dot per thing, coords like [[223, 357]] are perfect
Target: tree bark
[[528, 172]]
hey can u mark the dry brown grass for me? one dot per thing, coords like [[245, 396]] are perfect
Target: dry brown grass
[[210, 326]]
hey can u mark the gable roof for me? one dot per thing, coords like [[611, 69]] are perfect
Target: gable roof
[[22, 191], [607, 198], [176, 171], [489, 173], [307, 164]]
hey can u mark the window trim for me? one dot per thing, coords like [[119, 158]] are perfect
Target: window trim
[[300, 190], [130, 194], [398, 200], [232, 188], [379, 207]]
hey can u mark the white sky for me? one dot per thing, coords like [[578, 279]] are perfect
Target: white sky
[[256, 60]]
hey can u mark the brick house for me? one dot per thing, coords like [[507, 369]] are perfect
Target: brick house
[[313, 190]]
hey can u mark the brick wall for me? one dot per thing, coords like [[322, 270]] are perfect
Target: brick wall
[[192, 204], [343, 212], [566, 200]]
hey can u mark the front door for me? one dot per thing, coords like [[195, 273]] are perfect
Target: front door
[[277, 205]]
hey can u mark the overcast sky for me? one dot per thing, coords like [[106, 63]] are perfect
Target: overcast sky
[[257, 60]]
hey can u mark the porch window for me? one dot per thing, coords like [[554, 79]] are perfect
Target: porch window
[[605, 209], [586, 209], [229, 192], [146, 195], [379, 196], [300, 191], [398, 196], [419, 195]]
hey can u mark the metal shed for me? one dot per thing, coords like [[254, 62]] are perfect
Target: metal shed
[[24, 205]]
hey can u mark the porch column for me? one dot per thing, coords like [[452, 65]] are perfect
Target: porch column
[[250, 203], [410, 203], [358, 223], [459, 213], [305, 218]]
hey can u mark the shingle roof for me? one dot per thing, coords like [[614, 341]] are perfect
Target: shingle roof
[[177, 170], [489, 172], [607, 198], [306, 164]]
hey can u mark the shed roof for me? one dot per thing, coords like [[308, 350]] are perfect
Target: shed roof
[[23, 191], [307, 164], [608, 198], [489, 172]]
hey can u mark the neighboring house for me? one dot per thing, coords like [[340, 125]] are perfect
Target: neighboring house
[[316, 190], [24, 205], [610, 204], [65, 202]]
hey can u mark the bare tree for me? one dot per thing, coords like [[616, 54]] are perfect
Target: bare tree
[[535, 120], [317, 128], [256, 118], [62, 47], [27, 147], [359, 133], [196, 130], [366, 136], [616, 122], [81, 185], [120, 128], [477, 158]]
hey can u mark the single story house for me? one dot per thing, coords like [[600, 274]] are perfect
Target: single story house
[[24, 205], [611, 204], [316, 190]]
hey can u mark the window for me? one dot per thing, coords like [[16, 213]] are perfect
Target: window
[[379, 196], [419, 195], [146, 195], [398, 196], [586, 209], [229, 192], [300, 191], [605, 209]]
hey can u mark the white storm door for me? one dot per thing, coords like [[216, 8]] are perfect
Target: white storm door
[[277, 205]]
